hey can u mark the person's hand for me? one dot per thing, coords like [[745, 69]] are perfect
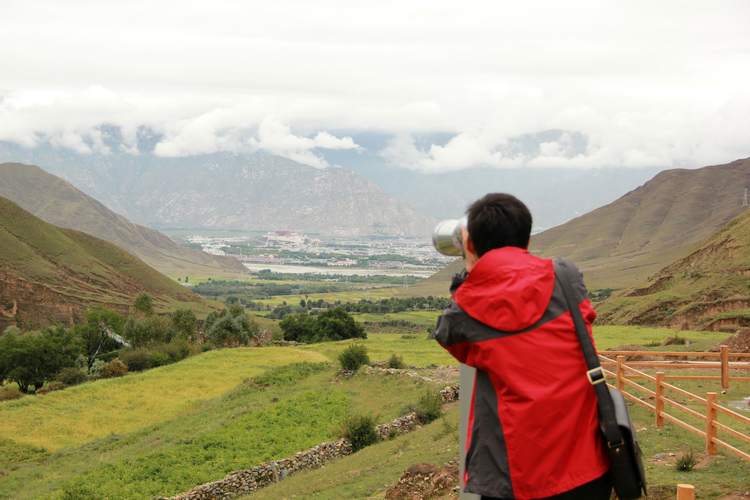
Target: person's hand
[[470, 256]]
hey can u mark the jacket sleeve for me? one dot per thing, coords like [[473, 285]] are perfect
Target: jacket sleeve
[[582, 294], [450, 334]]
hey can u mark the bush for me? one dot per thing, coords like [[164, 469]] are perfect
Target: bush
[[353, 357], [8, 393], [333, 324], [686, 462], [176, 350], [71, 376], [360, 431], [137, 359], [395, 362], [114, 368], [51, 386], [160, 358], [429, 407]]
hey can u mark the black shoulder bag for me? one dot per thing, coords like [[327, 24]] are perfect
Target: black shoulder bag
[[619, 435]]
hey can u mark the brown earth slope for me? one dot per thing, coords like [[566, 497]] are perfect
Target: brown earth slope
[[58, 202], [50, 274]]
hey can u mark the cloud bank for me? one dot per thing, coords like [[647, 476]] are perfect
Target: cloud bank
[[626, 83]]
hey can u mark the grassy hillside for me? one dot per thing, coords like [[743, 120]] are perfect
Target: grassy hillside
[[53, 274], [118, 406], [56, 201], [708, 289], [279, 412]]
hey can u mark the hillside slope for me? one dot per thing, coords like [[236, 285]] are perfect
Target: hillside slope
[[50, 274], [709, 289], [621, 244], [58, 202]]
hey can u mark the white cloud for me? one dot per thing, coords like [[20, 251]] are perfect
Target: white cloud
[[657, 83]]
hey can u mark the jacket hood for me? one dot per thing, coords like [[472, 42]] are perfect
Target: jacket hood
[[508, 289]]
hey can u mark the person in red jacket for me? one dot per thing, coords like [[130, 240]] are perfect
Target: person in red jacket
[[533, 427]]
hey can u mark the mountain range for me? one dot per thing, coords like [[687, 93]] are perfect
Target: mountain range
[[58, 202], [231, 191], [51, 274]]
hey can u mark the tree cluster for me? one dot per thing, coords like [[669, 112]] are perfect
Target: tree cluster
[[333, 324], [106, 343]]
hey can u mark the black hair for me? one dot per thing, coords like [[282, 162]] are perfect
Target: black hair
[[498, 220]]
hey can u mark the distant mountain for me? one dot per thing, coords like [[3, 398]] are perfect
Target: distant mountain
[[58, 202], [230, 191], [50, 274], [709, 289], [623, 243]]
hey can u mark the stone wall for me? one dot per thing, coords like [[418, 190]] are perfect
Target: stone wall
[[254, 478]]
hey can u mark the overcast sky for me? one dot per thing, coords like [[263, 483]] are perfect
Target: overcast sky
[[652, 83]]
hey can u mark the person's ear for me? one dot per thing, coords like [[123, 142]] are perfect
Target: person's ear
[[470, 245]]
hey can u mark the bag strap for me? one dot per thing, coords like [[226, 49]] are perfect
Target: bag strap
[[606, 407]]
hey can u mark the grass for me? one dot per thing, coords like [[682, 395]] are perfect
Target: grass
[[372, 470], [420, 351], [283, 411], [118, 406]]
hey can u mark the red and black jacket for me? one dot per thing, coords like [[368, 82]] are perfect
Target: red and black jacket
[[533, 427]]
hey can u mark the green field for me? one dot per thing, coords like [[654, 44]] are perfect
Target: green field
[[118, 406], [255, 422]]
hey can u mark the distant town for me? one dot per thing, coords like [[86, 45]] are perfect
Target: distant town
[[295, 252]]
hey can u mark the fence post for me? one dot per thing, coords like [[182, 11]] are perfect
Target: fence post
[[620, 373], [724, 349], [685, 492], [710, 427], [659, 399]]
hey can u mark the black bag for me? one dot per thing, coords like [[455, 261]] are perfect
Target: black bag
[[619, 435]]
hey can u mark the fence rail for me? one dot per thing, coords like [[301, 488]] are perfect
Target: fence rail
[[724, 365], [625, 372]]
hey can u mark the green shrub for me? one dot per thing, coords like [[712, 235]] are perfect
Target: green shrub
[[360, 431], [71, 376], [429, 407], [353, 357], [160, 358], [114, 368], [8, 393], [675, 340], [177, 350], [686, 461], [395, 361], [137, 359]]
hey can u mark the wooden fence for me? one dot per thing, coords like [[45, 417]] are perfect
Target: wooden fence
[[626, 371], [724, 364]]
